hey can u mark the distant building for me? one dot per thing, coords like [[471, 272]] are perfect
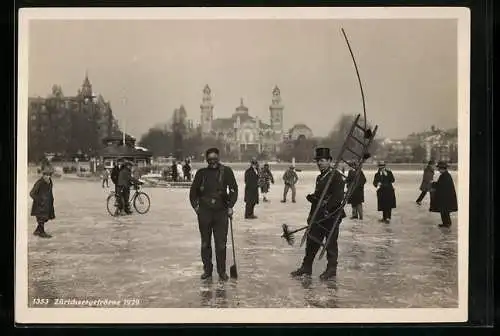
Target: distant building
[[246, 136], [114, 149], [52, 119], [299, 130]]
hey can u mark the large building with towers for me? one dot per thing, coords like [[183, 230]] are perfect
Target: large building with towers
[[244, 135]]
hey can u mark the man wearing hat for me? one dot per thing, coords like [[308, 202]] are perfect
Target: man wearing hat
[[386, 197], [443, 195], [290, 179], [331, 204], [426, 184], [43, 202], [125, 181], [251, 189], [212, 195]]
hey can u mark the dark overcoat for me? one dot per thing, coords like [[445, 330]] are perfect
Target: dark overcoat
[[427, 179], [251, 186], [333, 197], [358, 194], [443, 195], [43, 200], [386, 197]]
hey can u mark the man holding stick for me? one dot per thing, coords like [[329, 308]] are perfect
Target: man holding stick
[[213, 193]]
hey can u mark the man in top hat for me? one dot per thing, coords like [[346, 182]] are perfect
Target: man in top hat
[[357, 197], [251, 189], [426, 184], [386, 197], [43, 202], [125, 181], [330, 205], [213, 193], [443, 195]]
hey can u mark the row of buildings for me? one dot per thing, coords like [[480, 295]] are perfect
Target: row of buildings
[[434, 144], [244, 135]]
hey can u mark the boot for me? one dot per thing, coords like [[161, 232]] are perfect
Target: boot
[[37, 230], [329, 273], [301, 271], [206, 275], [223, 277], [283, 201]]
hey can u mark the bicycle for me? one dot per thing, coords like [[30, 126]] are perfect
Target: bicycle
[[138, 199]]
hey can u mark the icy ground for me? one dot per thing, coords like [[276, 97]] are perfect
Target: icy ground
[[156, 257]]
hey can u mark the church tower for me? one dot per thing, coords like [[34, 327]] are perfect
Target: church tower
[[276, 110], [207, 111], [86, 90]]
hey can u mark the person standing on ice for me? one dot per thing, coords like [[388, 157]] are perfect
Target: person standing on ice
[[212, 195], [426, 184], [443, 195], [330, 205], [386, 197], [43, 202], [290, 179], [357, 197], [251, 189], [265, 179]]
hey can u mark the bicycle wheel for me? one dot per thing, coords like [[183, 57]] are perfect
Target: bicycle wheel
[[141, 202], [111, 202]]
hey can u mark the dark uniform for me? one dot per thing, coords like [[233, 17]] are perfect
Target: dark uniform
[[43, 203], [114, 176], [386, 197], [125, 181], [251, 190], [333, 199], [426, 184], [444, 196], [358, 194], [213, 192]]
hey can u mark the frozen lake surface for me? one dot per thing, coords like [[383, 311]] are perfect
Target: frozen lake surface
[[409, 263]]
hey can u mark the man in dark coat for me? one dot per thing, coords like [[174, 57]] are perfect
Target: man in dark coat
[[358, 194], [186, 169], [114, 174], [386, 197], [125, 181], [213, 193], [331, 204], [174, 172], [426, 184], [443, 195], [43, 202], [251, 189], [290, 179]]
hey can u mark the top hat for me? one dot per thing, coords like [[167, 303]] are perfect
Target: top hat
[[381, 164], [322, 153], [442, 164]]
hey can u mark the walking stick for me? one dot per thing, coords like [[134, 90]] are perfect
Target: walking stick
[[233, 271]]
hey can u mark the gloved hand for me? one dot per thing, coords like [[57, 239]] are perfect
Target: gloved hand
[[311, 198]]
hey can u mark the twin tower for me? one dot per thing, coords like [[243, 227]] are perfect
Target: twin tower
[[275, 109]]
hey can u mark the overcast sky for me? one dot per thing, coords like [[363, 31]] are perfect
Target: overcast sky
[[408, 68]]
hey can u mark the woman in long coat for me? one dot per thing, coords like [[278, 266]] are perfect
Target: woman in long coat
[[443, 195], [251, 189], [265, 179], [358, 194], [43, 202], [386, 197], [426, 184]]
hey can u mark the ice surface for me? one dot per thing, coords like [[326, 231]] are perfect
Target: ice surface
[[156, 257]]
